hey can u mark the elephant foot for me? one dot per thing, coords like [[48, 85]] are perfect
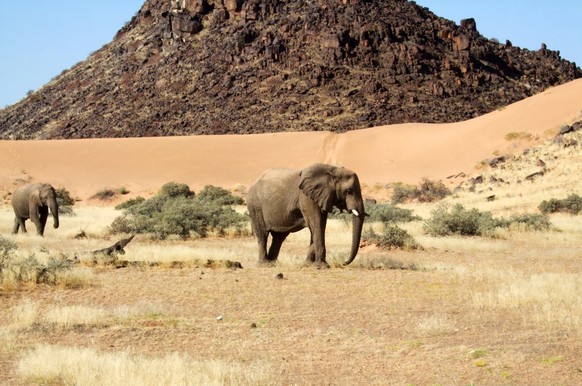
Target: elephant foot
[[316, 264], [267, 263]]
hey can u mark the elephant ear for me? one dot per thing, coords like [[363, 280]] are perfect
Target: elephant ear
[[317, 183], [34, 198]]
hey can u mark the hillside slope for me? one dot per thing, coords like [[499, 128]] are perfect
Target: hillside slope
[[256, 66], [380, 155]]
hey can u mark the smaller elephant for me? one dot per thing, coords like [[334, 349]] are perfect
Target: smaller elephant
[[33, 201]]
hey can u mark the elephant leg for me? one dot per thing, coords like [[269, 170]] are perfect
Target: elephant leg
[[18, 222], [278, 238], [316, 252], [43, 216], [310, 253]]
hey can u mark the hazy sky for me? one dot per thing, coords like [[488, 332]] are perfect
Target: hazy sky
[[41, 38]]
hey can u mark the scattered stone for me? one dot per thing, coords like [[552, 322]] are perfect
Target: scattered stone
[[565, 129], [279, 276], [497, 160], [533, 176]]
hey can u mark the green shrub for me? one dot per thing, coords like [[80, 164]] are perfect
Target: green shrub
[[530, 221], [457, 220], [403, 193], [389, 213], [427, 191], [175, 189], [392, 237], [219, 195], [176, 210], [571, 204], [385, 212], [130, 202]]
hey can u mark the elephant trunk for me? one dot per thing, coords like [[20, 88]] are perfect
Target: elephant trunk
[[54, 207], [357, 225]]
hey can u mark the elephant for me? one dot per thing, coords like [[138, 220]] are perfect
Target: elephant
[[283, 201], [32, 201]]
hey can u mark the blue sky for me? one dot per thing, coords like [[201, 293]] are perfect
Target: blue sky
[[41, 38]]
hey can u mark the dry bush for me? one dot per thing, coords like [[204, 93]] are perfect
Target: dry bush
[[85, 366], [434, 325]]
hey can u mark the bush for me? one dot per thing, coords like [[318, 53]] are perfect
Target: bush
[[392, 237], [65, 201], [219, 195], [104, 194], [389, 213], [174, 189], [459, 221], [129, 203], [530, 221], [571, 204], [176, 210], [386, 213], [472, 222], [6, 248], [30, 269], [427, 191]]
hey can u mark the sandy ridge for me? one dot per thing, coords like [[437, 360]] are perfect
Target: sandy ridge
[[380, 155]]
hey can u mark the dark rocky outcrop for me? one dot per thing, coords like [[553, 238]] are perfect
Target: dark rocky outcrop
[[250, 66]]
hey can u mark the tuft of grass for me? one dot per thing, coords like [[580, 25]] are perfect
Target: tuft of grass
[[385, 263], [435, 325], [551, 360], [25, 314], [78, 315], [85, 366], [513, 136]]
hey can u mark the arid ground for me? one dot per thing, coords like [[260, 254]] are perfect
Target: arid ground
[[463, 310]]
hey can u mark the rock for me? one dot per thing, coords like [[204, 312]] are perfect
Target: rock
[[469, 24], [497, 160]]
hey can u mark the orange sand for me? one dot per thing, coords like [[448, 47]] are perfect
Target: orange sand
[[380, 155]]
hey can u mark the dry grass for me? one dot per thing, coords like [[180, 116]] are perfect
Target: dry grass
[[461, 311], [548, 301], [84, 366]]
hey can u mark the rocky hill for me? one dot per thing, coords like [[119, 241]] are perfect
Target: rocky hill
[[251, 66]]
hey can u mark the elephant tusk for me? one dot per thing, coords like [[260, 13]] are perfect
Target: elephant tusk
[[355, 213]]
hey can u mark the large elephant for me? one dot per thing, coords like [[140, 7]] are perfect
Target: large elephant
[[32, 201], [284, 201]]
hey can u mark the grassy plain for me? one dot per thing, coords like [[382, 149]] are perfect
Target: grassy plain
[[502, 310]]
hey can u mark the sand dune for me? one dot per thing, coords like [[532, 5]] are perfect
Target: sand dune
[[380, 155]]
